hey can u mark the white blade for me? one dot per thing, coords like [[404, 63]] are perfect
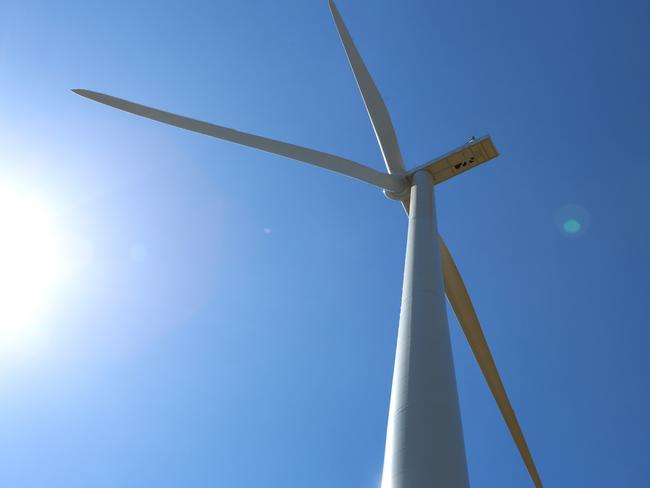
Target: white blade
[[375, 106], [317, 158], [464, 310]]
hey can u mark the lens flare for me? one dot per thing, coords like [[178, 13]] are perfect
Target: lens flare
[[572, 220], [571, 226], [31, 268]]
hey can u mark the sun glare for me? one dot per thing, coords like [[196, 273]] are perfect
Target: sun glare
[[31, 268]]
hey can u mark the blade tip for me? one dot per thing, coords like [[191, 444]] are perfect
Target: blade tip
[[80, 91]]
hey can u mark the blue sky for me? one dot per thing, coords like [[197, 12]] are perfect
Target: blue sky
[[233, 315]]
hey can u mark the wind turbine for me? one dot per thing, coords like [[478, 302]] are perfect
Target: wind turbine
[[424, 440]]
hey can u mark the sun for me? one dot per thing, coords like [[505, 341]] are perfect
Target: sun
[[31, 268]]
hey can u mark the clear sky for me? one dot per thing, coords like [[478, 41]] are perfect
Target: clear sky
[[227, 318]]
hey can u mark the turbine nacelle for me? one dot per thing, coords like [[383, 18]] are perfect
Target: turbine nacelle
[[461, 159]]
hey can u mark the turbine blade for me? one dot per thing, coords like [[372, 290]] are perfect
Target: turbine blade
[[317, 158], [375, 106], [464, 310]]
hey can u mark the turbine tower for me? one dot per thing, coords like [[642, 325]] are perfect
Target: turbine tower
[[424, 439]]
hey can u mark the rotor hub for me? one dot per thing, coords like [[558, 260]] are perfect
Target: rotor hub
[[399, 196]]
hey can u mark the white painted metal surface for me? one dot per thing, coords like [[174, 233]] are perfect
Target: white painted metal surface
[[424, 439]]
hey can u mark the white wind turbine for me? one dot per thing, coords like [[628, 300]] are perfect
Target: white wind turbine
[[424, 440]]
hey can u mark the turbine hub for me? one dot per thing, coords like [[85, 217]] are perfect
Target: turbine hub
[[399, 196]]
